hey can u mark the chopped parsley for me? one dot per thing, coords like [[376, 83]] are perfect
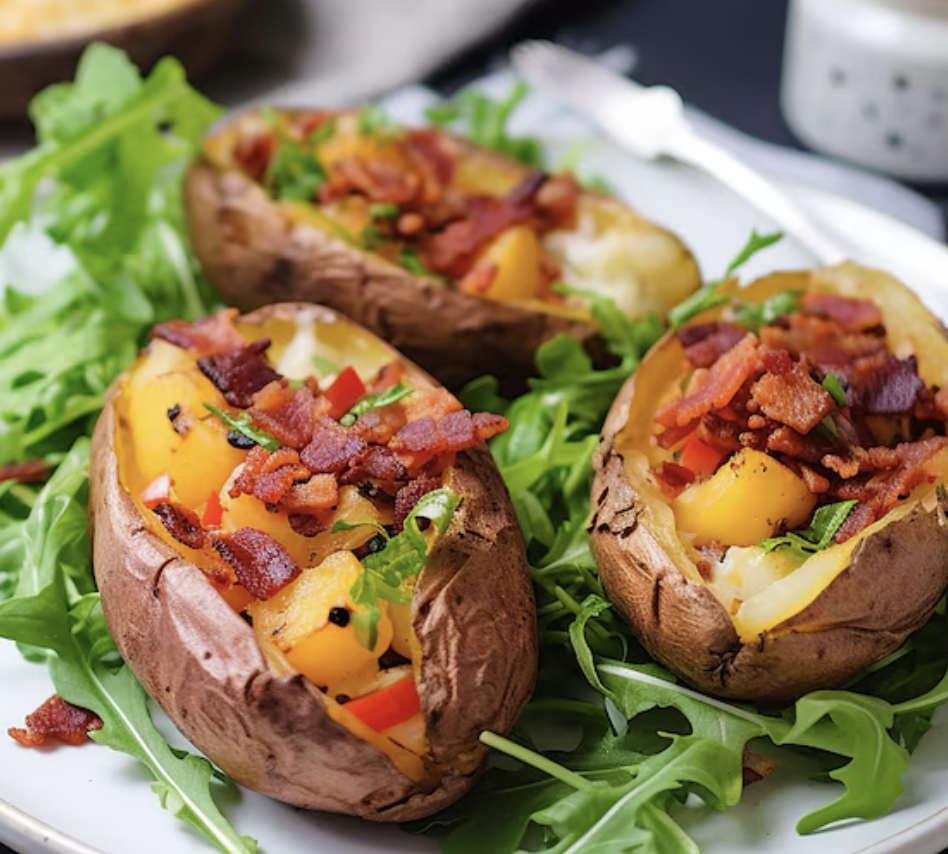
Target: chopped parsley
[[409, 259], [832, 384], [391, 395], [243, 425]]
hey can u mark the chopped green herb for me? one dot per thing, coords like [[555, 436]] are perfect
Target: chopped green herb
[[294, 174], [373, 121], [832, 384], [707, 296], [409, 259], [327, 130], [484, 120], [326, 367], [384, 210], [388, 570], [391, 395], [817, 536], [598, 184], [754, 315], [244, 426]]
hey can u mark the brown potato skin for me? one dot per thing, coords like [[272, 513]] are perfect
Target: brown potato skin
[[255, 255], [894, 580], [473, 614]]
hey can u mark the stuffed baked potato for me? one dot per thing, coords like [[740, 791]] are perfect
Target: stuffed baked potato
[[769, 508], [447, 250], [310, 561]]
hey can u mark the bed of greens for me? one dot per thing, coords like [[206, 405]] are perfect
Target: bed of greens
[[94, 252]]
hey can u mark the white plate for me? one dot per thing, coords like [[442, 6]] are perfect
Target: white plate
[[91, 801]]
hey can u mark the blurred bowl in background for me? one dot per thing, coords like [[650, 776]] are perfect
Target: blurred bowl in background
[[867, 80], [41, 40]]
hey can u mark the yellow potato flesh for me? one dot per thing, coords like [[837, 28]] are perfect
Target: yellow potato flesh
[[747, 500], [296, 621], [245, 511], [196, 455], [516, 258]]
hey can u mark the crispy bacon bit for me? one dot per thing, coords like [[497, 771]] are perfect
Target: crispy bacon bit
[[378, 465], [319, 493], [408, 496], [673, 478], [427, 149], [253, 154], [240, 374], [305, 525], [56, 720], [705, 343], [27, 471], [489, 425], [209, 336], [458, 430], [789, 394], [391, 374], [253, 466], [263, 567], [892, 388], [182, 523], [333, 447], [430, 403], [419, 437], [271, 487], [853, 315], [377, 426], [557, 201], [452, 251], [285, 413], [715, 389], [756, 766]]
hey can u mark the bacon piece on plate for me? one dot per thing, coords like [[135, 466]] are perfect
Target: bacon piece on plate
[[56, 720]]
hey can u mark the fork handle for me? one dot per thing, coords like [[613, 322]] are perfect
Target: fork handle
[[758, 191]]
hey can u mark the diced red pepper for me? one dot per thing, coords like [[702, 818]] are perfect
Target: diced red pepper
[[700, 458], [214, 512], [347, 389], [157, 492], [388, 706]]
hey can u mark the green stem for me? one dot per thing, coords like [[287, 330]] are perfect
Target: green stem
[[535, 760]]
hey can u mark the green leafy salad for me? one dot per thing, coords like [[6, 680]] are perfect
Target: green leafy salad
[[94, 253]]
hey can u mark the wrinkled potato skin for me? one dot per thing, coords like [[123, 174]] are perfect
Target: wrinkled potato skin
[[255, 255], [894, 580], [473, 614]]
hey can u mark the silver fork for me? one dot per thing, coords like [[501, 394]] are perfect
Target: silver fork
[[650, 122]]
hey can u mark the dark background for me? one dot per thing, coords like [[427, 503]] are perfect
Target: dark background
[[722, 55]]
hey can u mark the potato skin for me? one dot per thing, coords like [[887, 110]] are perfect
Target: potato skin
[[473, 614], [254, 254], [894, 580]]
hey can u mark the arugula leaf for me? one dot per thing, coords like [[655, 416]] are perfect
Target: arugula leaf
[[707, 296], [384, 210], [373, 121], [294, 173], [386, 572], [56, 609], [391, 395], [754, 315], [243, 425], [818, 535], [485, 119]]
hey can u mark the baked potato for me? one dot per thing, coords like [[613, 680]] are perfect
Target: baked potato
[[447, 250], [769, 509], [259, 520]]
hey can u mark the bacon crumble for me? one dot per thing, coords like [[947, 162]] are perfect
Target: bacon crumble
[[56, 720]]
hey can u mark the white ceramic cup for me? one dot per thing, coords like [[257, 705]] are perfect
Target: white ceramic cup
[[867, 80]]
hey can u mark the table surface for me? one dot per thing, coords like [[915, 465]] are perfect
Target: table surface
[[723, 56]]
